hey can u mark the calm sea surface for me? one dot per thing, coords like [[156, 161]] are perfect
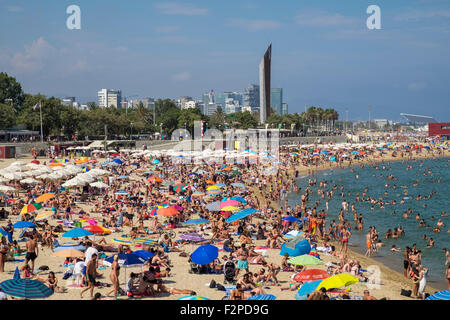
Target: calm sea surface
[[384, 219]]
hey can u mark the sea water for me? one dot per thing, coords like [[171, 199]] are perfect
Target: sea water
[[383, 219]]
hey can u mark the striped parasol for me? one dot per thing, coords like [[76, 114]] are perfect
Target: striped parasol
[[193, 298], [30, 208], [26, 288], [441, 295]]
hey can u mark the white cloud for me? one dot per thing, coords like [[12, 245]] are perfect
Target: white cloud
[[184, 76], [323, 19], [254, 25], [180, 9], [33, 58]]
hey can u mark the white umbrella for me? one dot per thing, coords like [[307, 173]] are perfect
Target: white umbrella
[[7, 188], [18, 163], [29, 181], [99, 185], [12, 176]]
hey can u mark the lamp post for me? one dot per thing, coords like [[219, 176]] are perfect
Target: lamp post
[[160, 131]]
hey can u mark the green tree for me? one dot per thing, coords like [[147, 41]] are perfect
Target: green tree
[[7, 116], [11, 89]]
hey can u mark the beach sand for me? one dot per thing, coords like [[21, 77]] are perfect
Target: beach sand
[[392, 281]]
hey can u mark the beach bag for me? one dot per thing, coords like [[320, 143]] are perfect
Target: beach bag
[[220, 287], [66, 275], [43, 268], [212, 284], [406, 293]]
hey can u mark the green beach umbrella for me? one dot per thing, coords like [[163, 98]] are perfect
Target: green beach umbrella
[[305, 260]]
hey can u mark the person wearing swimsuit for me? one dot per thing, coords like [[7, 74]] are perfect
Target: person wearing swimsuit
[[114, 276], [238, 293]]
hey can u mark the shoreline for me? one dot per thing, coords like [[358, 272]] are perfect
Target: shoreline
[[388, 272]]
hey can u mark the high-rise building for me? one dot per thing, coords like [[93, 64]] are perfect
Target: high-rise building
[[232, 106], [251, 97], [210, 108], [276, 100], [68, 101], [284, 109], [109, 97], [264, 85]]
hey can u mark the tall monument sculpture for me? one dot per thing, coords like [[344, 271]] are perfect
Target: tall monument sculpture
[[264, 85]]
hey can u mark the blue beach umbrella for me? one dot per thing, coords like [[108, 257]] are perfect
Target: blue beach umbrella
[[156, 161], [3, 232], [118, 161], [144, 254], [77, 233], [195, 221], [307, 288], [127, 260], [220, 185], [121, 192], [291, 219], [26, 288], [240, 199], [24, 224], [205, 254], [241, 214], [262, 297], [441, 295]]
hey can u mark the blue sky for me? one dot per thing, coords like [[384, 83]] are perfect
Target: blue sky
[[323, 54]]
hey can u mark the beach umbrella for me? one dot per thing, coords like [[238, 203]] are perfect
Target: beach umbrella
[[177, 208], [118, 161], [56, 165], [210, 182], [213, 206], [35, 162], [198, 194], [26, 288], [311, 275], [44, 215], [307, 288], [77, 233], [154, 211], [205, 254], [69, 253], [45, 197], [220, 185], [195, 221], [24, 224], [229, 208], [91, 222], [240, 199], [155, 179], [122, 177], [241, 214], [179, 187], [263, 297], [238, 185], [29, 181], [441, 295], [16, 274], [155, 161], [164, 204], [3, 232], [126, 260], [193, 298], [304, 260], [30, 208], [229, 202], [144, 254], [86, 169], [214, 192], [96, 229], [167, 212], [192, 237], [100, 185], [291, 219], [337, 281], [7, 188], [121, 192]]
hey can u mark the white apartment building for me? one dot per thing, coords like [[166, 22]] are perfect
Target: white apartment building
[[109, 97]]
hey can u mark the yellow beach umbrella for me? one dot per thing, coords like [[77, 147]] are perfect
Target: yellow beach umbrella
[[213, 188], [337, 281], [229, 208]]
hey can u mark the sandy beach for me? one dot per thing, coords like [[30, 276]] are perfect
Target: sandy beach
[[180, 278]]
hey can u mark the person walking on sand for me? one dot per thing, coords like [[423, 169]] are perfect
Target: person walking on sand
[[91, 273], [32, 251], [369, 243], [114, 276]]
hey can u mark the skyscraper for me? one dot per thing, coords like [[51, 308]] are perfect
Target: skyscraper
[[276, 100], [109, 97], [251, 97], [264, 85]]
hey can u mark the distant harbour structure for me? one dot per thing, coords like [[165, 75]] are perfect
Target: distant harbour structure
[[415, 119], [264, 85]]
